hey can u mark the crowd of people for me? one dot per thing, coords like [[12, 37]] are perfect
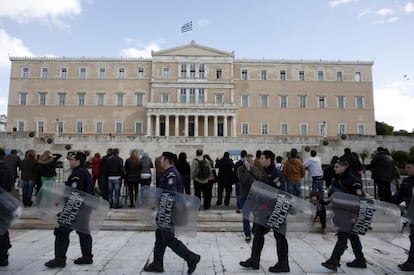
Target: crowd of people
[[198, 177]]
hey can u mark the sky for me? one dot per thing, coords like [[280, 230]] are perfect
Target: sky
[[368, 30]]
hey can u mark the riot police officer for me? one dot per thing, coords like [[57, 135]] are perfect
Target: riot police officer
[[170, 181], [273, 177], [80, 179], [346, 182], [6, 183]]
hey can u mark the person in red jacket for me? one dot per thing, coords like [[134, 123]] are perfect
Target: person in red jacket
[[96, 168]]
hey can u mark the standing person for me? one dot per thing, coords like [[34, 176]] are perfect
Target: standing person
[[319, 203], [145, 168], [96, 169], [67, 171], [405, 193], [159, 171], [114, 167], [329, 173], [294, 172], [382, 168], [314, 167], [224, 179], [80, 179], [103, 184], [171, 181], [355, 165], [200, 171], [6, 183], [13, 162], [29, 175], [238, 164], [346, 182], [183, 168], [212, 179], [274, 178], [279, 164], [247, 174], [132, 175], [257, 162], [47, 168]]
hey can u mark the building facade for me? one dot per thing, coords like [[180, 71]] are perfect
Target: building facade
[[190, 91]]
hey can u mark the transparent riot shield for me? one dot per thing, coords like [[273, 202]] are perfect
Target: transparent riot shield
[[359, 215], [278, 210], [169, 210], [410, 211], [72, 208], [10, 210]]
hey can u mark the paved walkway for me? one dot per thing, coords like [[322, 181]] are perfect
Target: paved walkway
[[126, 252]]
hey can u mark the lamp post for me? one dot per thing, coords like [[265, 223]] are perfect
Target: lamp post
[[57, 127]]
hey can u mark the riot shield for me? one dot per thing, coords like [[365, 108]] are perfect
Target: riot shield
[[358, 215], [410, 211], [278, 210], [72, 208], [169, 210], [10, 210]]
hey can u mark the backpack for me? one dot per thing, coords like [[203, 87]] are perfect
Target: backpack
[[6, 178], [203, 170], [238, 164]]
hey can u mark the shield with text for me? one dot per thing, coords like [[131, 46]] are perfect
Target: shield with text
[[10, 210]]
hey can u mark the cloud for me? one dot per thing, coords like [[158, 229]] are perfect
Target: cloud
[[408, 8], [11, 46], [142, 50], [389, 20], [202, 23], [392, 104], [385, 12], [334, 3], [50, 11]]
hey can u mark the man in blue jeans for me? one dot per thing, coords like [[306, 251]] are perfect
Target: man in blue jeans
[[114, 167], [314, 167]]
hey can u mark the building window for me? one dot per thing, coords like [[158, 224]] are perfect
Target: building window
[[40, 126], [20, 126], [265, 128], [59, 126], [164, 98], [359, 102], [303, 129], [140, 73], [320, 75], [339, 76], [341, 129], [22, 98], [358, 77], [192, 71], [120, 99], [302, 101], [361, 129], [192, 95], [63, 73], [283, 99], [81, 99], [183, 95], [245, 128], [219, 99], [183, 70], [263, 74], [323, 129], [244, 74], [219, 73], [99, 127], [201, 71], [118, 127], [282, 74], [264, 101], [121, 73], [340, 100], [140, 99], [62, 99], [302, 75], [138, 128], [201, 95], [245, 101], [100, 99], [283, 129], [102, 73], [25, 73], [42, 98], [82, 73], [79, 126], [165, 73], [45, 73], [322, 101]]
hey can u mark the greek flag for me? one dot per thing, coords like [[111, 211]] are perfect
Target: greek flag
[[187, 27]]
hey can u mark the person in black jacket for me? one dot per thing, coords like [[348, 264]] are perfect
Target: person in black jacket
[[346, 182], [114, 167], [406, 194], [224, 178], [80, 179], [132, 175], [382, 168], [273, 177], [183, 168]]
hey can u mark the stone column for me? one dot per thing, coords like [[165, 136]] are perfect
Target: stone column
[[186, 126], [233, 126], [177, 128], [224, 126], [196, 125], [206, 126], [215, 126], [149, 126], [167, 125], [157, 125]]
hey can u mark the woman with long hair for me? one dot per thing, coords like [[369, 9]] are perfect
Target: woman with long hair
[[132, 175]]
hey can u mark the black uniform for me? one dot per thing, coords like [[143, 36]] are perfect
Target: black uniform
[[273, 177], [6, 180], [350, 184], [80, 179], [405, 194]]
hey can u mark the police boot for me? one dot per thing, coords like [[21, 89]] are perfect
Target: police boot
[[331, 264], [155, 266], [85, 259], [250, 263], [192, 261], [279, 268], [4, 258], [57, 262], [360, 263], [406, 266]]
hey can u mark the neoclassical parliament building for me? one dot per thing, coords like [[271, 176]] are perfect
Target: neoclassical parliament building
[[191, 91]]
